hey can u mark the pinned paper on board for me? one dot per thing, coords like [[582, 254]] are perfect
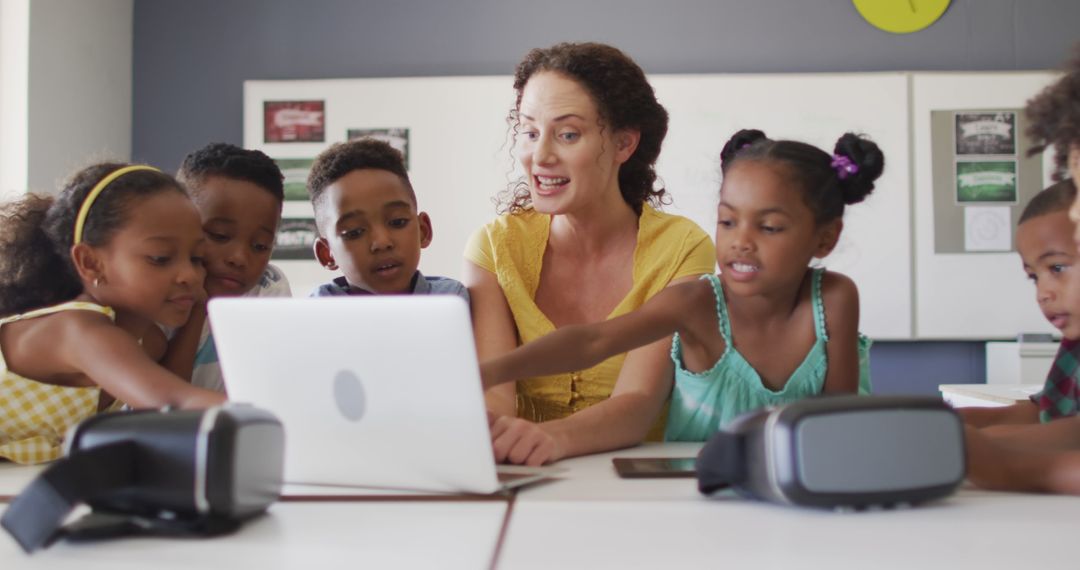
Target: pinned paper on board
[[397, 138], [295, 239], [294, 121], [986, 133], [981, 171], [986, 181], [295, 173], [987, 228]]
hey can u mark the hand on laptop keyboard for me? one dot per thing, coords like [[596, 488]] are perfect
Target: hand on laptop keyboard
[[519, 441]]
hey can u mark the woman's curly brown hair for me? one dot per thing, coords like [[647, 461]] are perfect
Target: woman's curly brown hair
[[1054, 116], [624, 99]]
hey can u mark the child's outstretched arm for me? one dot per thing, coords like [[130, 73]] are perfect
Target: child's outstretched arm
[[180, 354], [577, 347], [1051, 467], [1016, 414], [154, 344], [841, 299], [110, 357], [643, 384], [1060, 434], [494, 329]]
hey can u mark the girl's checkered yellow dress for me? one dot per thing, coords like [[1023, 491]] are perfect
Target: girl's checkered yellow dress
[[35, 416]]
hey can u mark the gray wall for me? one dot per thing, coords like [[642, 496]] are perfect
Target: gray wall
[[79, 88], [192, 56]]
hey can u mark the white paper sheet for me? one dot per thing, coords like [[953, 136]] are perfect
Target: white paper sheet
[[987, 228]]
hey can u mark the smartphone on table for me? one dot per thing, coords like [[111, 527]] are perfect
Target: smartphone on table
[[654, 467]]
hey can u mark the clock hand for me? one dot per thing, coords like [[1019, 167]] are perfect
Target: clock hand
[[912, 4]]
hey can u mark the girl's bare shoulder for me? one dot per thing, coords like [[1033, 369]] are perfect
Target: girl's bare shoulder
[[675, 303], [79, 321], [56, 325], [839, 287], [42, 347], [686, 303], [690, 294], [66, 329], [840, 296]]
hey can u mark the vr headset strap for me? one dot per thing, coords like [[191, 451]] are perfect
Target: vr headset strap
[[722, 462], [35, 516], [101, 525]]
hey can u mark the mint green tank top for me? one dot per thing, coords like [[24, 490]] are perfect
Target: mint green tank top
[[703, 402]]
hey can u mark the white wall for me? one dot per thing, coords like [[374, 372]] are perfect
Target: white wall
[[65, 101], [14, 91], [79, 86], [458, 159], [971, 295]]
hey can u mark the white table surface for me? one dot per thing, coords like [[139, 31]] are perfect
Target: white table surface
[[588, 517], [973, 529], [461, 534], [987, 394], [588, 477], [593, 478], [13, 477]]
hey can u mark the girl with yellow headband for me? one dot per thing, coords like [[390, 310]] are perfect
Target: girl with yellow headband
[[83, 277]]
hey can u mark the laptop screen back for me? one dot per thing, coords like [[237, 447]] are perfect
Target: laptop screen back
[[380, 391]]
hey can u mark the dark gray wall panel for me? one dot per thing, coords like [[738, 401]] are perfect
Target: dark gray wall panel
[[192, 56]]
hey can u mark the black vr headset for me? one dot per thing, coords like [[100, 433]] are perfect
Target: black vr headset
[[839, 452], [199, 473]]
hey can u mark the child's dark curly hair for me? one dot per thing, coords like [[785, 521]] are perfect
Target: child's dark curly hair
[[1054, 116], [624, 99], [827, 187], [343, 158], [1058, 197], [37, 233], [231, 161]]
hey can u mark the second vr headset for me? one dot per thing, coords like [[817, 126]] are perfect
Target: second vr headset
[[839, 452]]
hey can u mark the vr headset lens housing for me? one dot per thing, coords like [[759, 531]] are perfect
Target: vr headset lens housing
[[837, 452], [168, 472]]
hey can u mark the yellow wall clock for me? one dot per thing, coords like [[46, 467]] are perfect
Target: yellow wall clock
[[901, 16]]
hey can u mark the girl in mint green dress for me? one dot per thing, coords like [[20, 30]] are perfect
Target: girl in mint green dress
[[767, 330]]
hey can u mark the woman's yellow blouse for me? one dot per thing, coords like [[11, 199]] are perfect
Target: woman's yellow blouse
[[512, 247]]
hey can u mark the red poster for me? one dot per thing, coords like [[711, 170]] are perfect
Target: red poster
[[294, 121]]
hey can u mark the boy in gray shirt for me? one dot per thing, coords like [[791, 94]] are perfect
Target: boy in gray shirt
[[370, 227]]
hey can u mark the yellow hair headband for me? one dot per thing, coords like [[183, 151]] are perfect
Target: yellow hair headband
[[84, 210]]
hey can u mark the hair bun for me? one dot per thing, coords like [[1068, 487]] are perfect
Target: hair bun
[[737, 142], [869, 159]]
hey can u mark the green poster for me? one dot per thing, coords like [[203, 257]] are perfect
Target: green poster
[[296, 172], [986, 181]]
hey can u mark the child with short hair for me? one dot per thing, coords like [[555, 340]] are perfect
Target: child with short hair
[[239, 194], [84, 277], [1044, 239], [369, 225], [1040, 457], [757, 333]]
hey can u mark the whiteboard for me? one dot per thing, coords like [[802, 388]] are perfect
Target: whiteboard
[[460, 157], [972, 296], [875, 245]]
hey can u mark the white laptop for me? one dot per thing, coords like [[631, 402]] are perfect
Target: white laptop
[[373, 391]]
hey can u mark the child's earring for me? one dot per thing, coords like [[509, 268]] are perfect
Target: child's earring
[[97, 282]]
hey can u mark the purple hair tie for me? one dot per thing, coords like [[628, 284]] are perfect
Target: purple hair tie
[[843, 166]]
